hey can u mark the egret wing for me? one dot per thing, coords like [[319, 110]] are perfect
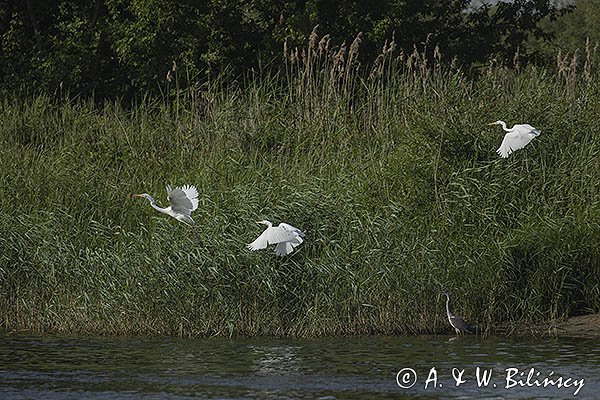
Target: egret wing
[[191, 193], [183, 199], [284, 248], [260, 242], [290, 228], [278, 235], [514, 141], [272, 235], [525, 128]]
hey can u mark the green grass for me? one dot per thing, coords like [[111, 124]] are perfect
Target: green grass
[[395, 179]]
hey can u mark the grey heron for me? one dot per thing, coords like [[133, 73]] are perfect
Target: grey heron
[[457, 323]]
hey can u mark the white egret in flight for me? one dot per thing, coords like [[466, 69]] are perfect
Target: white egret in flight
[[284, 236], [516, 137], [183, 200]]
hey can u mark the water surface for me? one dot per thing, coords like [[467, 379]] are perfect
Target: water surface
[[270, 368]]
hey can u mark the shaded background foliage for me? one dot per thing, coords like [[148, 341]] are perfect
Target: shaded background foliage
[[116, 48]]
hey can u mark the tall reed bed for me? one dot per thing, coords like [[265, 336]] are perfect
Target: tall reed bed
[[390, 169]]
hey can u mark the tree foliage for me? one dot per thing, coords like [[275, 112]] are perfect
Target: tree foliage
[[578, 30], [115, 48]]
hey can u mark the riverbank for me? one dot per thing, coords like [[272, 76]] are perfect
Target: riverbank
[[583, 326], [394, 178], [580, 327]]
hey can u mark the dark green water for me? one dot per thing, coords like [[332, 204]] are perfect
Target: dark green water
[[266, 368]]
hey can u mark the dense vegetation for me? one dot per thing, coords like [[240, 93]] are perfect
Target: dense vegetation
[[117, 48], [391, 170], [381, 153]]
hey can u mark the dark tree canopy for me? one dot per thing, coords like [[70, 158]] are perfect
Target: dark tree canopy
[[118, 47]]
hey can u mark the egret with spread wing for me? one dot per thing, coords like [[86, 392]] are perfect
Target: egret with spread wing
[[516, 137], [183, 200], [284, 236]]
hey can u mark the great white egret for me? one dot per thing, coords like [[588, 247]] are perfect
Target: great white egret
[[284, 236], [516, 137], [183, 200]]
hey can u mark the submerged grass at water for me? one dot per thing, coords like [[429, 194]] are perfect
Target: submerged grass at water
[[395, 180]]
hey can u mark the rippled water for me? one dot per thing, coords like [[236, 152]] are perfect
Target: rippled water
[[353, 367]]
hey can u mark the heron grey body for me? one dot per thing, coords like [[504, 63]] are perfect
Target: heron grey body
[[459, 325]]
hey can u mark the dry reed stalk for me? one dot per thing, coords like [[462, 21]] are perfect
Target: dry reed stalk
[[517, 60], [324, 45], [437, 56], [573, 68], [339, 61], [352, 56], [561, 65], [587, 67]]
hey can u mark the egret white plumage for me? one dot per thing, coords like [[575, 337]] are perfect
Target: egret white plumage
[[284, 236], [516, 137], [182, 201]]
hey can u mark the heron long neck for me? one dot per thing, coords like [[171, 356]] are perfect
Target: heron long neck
[[153, 204], [448, 306], [504, 126]]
